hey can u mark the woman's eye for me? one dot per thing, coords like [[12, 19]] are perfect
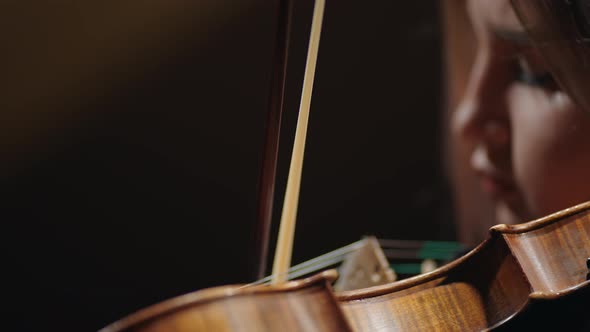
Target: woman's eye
[[543, 79], [527, 74]]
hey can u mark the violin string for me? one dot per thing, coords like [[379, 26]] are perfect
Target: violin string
[[300, 272], [319, 262], [338, 255], [409, 244], [387, 243], [341, 252], [318, 266], [284, 249], [314, 264]]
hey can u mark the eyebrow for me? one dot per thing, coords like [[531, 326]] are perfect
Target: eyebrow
[[515, 36]]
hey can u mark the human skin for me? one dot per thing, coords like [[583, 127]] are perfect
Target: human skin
[[532, 143]]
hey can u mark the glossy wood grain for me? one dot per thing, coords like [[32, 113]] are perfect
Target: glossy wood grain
[[482, 290], [533, 274], [305, 305], [553, 251], [528, 276]]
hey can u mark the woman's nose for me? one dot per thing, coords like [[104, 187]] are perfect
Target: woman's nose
[[472, 123], [482, 114]]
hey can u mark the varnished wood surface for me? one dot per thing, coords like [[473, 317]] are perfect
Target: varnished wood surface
[[304, 305], [521, 273], [552, 272], [482, 291], [525, 276]]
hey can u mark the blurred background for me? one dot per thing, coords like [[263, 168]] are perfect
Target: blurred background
[[132, 137]]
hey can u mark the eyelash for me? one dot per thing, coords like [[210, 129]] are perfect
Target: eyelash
[[542, 79]]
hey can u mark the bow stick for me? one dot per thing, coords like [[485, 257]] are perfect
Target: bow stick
[[282, 259]]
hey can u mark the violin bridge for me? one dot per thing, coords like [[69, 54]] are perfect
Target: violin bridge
[[365, 267]]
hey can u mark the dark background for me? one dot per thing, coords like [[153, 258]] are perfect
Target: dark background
[[133, 135]]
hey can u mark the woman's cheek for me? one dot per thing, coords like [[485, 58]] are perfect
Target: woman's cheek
[[530, 160], [551, 153], [569, 149]]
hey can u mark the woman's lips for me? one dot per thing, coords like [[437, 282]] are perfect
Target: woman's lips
[[494, 169], [495, 181]]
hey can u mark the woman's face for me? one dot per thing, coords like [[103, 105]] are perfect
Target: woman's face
[[532, 144]]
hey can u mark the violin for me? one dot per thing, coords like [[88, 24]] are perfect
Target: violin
[[529, 276], [532, 275]]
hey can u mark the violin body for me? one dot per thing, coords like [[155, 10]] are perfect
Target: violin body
[[533, 275], [304, 305]]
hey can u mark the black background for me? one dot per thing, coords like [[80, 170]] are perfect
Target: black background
[[148, 190]]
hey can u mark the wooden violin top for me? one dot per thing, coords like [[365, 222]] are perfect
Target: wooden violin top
[[303, 305], [533, 275], [517, 268]]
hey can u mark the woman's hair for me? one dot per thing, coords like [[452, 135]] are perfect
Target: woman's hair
[[560, 30]]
